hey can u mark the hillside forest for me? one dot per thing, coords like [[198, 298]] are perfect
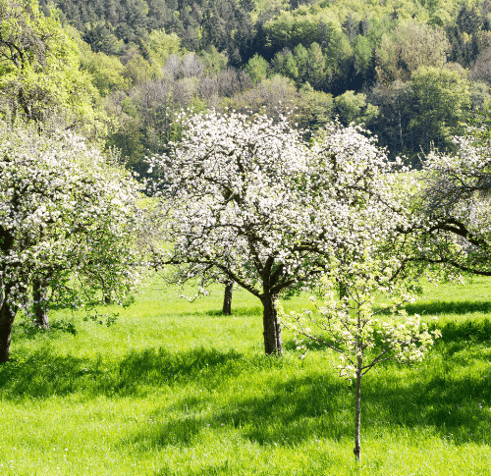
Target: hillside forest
[[414, 73]]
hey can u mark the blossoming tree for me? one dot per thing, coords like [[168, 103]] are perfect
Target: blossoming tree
[[361, 333], [252, 202], [456, 205], [64, 214]]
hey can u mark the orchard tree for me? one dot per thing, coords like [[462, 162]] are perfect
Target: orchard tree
[[248, 199], [455, 202], [355, 328], [67, 221]]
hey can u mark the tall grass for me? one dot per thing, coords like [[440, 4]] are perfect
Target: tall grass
[[175, 388]]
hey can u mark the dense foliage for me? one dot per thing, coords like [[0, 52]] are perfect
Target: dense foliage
[[412, 73], [40, 75], [67, 222], [250, 201]]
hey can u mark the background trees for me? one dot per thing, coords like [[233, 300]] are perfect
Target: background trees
[[442, 100], [39, 70], [378, 50]]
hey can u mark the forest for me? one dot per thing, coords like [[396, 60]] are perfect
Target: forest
[[413, 73]]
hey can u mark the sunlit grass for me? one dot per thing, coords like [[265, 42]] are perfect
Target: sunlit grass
[[175, 388]]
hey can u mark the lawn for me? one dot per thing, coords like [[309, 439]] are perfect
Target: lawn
[[175, 388]]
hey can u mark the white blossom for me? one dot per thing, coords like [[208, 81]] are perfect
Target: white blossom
[[62, 209]]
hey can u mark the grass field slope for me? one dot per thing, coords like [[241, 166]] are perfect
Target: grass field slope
[[175, 388]]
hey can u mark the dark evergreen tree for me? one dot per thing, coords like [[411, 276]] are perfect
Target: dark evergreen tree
[[351, 28]]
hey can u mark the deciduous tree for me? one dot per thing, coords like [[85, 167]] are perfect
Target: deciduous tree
[[455, 202], [248, 199], [65, 217], [355, 329], [39, 69]]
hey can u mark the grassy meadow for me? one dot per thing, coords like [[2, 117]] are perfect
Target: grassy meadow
[[175, 388]]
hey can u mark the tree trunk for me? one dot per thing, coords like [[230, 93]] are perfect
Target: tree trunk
[[400, 131], [357, 448], [272, 329], [227, 299], [7, 317], [106, 293], [39, 294], [343, 292]]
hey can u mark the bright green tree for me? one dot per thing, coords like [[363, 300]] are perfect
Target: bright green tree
[[316, 65], [40, 72], [442, 101], [352, 107], [161, 45], [214, 60], [257, 68], [107, 72], [363, 53], [319, 109]]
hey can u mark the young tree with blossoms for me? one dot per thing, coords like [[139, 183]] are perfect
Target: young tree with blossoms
[[65, 216], [356, 329], [248, 199]]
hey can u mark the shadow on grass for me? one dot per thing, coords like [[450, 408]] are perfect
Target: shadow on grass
[[289, 411], [465, 331], [303, 408], [236, 311], [299, 409], [93, 303], [220, 469], [449, 307], [44, 373], [28, 330], [306, 408]]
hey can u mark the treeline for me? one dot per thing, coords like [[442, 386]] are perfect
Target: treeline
[[414, 73]]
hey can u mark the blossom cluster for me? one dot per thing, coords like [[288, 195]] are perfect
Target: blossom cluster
[[250, 199], [455, 203], [365, 326], [64, 214]]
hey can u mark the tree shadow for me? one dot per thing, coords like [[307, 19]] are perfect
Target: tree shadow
[[449, 307], [322, 406], [28, 330], [459, 335], [236, 311], [44, 373], [290, 412], [220, 469]]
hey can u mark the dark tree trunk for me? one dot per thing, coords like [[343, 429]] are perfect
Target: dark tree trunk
[[39, 294], [272, 329], [343, 292], [7, 316], [106, 293], [227, 299], [357, 448]]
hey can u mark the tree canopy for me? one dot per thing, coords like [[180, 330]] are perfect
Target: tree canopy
[[66, 219], [248, 200]]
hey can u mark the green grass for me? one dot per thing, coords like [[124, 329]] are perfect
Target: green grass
[[174, 388]]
